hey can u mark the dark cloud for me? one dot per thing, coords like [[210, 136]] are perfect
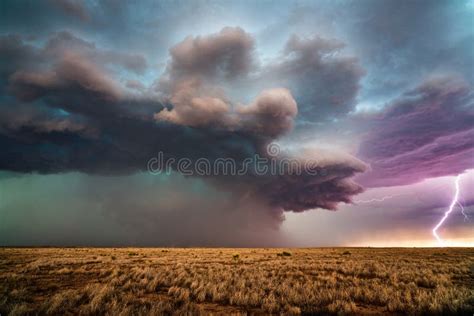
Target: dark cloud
[[63, 42], [40, 121], [427, 132], [331, 185], [324, 81], [72, 75], [15, 55], [90, 123]]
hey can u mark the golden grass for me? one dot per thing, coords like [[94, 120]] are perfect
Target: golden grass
[[155, 281]]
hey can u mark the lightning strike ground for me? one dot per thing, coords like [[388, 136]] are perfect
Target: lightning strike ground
[[441, 242]]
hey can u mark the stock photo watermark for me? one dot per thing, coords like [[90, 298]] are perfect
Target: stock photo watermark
[[270, 164]]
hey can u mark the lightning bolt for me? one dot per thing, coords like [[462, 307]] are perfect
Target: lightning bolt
[[446, 214], [466, 218], [387, 197]]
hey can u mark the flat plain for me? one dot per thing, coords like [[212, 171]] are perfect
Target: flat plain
[[236, 281]]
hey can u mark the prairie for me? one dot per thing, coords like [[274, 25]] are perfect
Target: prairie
[[236, 281]]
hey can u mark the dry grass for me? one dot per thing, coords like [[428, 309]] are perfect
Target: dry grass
[[123, 281]]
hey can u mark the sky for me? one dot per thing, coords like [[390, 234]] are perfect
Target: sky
[[365, 107]]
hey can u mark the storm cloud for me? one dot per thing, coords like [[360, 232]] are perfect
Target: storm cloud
[[72, 113], [427, 132]]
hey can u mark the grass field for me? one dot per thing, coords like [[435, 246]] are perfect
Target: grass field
[[150, 281]]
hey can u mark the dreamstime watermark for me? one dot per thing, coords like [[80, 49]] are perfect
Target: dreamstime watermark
[[271, 164]]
